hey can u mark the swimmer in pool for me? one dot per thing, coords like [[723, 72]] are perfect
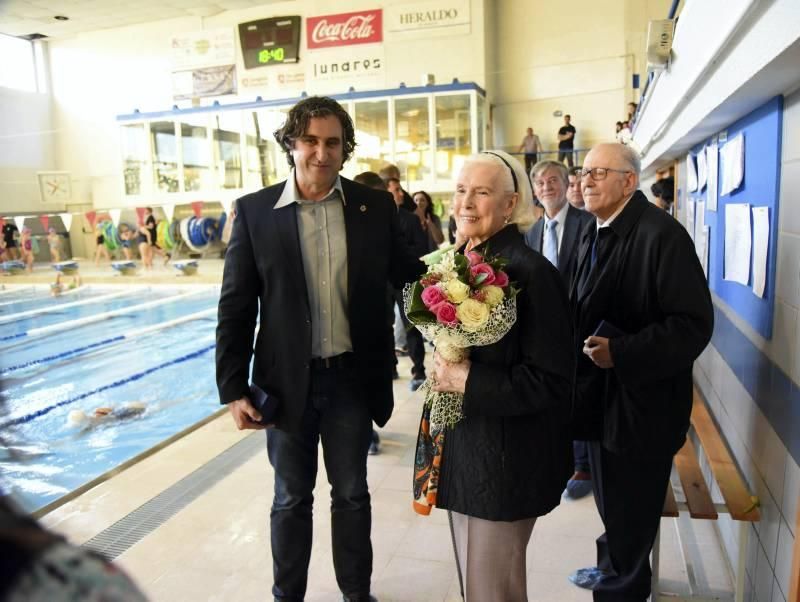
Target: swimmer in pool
[[105, 415], [59, 287]]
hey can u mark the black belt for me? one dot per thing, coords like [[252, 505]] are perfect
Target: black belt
[[343, 360]]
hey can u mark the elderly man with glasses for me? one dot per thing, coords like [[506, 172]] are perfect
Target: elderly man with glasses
[[642, 313]]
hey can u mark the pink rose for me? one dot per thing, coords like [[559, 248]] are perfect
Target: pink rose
[[474, 258], [432, 295], [500, 279], [483, 268], [445, 313]]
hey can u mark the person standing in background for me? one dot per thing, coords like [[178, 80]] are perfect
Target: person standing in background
[[566, 141], [574, 193], [531, 146]]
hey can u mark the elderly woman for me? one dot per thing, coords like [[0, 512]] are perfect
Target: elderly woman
[[507, 461]]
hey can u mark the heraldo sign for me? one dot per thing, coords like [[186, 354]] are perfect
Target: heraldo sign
[[445, 16], [346, 29]]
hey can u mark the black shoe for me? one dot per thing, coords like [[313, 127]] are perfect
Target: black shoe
[[374, 444], [401, 351]]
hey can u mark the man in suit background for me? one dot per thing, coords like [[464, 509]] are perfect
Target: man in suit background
[[556, 236], [639, 275], [311, 257]]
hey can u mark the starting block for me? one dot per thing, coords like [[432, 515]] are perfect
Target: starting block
[[126, 268], [188, 267]]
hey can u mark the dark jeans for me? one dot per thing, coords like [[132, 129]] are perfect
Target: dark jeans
[[414, 342], [580, 449], [338, 415], [566, 155], [530, 161], [629, 491]]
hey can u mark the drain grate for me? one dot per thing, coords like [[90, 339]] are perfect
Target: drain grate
[[127, 531]]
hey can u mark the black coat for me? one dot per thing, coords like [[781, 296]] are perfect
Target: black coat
[[573, 225], [264, 276], [648, 283], [509, 458]]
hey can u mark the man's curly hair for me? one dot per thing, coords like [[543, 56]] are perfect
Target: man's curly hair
[[297, 123]]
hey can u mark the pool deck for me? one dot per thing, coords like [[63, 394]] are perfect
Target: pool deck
[[209, 272]]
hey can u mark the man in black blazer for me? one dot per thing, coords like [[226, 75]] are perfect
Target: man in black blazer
[[563, 224], [309, 259], [639, 277]]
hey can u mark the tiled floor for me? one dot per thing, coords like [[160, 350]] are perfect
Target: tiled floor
[[217, 548]]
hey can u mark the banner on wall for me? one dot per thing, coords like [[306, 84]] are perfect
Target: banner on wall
[[429, 18], [91, 217], [198, 49], [334, 70], [66, 219], [345, 29], [272, 83], [201, 83]]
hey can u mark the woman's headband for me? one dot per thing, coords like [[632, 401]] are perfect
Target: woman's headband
[[511, 169]]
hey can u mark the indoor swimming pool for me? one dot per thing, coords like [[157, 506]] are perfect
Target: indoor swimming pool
[[145, 352]]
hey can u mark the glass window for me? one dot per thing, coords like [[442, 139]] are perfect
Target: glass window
[[453, 133], [134, 156], [266, 161], [17, 68], [228, 149], [412, 146], [196, 153], [481, 124], [165, 155], [373, 147]]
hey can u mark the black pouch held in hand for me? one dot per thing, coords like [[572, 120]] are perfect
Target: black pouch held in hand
[[266, 404], [608, 330]]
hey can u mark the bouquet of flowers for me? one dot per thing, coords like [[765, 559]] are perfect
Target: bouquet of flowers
[[462, 301]]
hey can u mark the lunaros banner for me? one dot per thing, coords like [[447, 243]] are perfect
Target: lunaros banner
[[346, 29]]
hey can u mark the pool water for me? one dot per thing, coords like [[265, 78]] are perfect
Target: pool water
[[108, 362]]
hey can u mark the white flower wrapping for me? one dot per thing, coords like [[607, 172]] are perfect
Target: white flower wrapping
[[453, 344]]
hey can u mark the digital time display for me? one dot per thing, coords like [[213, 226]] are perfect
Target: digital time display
[[272, 41]]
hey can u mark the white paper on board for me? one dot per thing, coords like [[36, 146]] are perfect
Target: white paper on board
[[760, 248], [738, 242], [702, 170], [691, 174], [712, 160], [732, 165], [699, 224], [690, 217], [706, 245]]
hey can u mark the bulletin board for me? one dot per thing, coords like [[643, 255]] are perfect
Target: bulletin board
[[760, 187]]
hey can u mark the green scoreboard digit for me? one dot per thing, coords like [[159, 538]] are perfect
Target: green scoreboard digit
[[272, 41]]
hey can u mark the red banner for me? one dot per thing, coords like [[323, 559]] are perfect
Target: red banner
[[197, 207], [140, 216], [91, 217], [346, 29], [45, 220]]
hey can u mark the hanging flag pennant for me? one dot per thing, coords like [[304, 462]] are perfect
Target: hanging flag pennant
[[91, 217], [45, 220], [19, 220], [66, 219], [2, 222], [227, 204], [115, 215], [197, 207], [169, 211], [140, 215]]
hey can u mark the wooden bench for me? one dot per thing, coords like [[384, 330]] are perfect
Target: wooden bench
[[696, 500]]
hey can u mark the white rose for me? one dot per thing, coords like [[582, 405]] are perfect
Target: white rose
[[472, 314], [456, 291]]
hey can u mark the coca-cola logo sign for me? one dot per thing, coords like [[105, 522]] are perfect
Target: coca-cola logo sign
[[365, 27]]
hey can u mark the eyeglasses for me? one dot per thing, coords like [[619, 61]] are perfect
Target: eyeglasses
[[599, 173], [551, 181]]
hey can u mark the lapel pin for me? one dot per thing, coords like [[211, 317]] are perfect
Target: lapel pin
[[363, 208]]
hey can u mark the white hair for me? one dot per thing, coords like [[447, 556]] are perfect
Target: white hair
[[522, 214]]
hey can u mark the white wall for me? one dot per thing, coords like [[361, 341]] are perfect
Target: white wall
[[26, 147]]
